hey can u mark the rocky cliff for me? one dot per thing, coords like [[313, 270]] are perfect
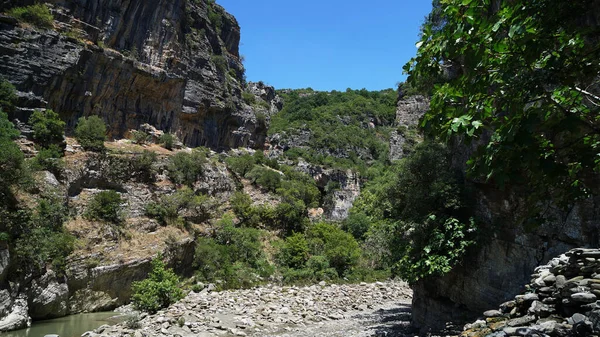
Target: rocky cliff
[[510, 247], [108, 257], [172, 64], [408, 112]]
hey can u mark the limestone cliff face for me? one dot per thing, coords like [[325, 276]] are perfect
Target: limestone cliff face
[[172, 64], [408, 112], [501, 266]]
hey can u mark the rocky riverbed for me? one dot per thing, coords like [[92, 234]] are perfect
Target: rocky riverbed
[[375, 309]]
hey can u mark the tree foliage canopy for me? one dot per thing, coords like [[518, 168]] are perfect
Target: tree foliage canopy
[[521, 79]]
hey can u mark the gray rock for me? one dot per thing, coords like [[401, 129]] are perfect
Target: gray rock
[[492, 313], [584, 297], [48, 297], [521, 321], [17, 318]]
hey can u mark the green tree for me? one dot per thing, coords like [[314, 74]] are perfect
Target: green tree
[[295, 251], [48, 128], [158, 291], [340, 248], [520, 81], [143, 165], [91, 133]]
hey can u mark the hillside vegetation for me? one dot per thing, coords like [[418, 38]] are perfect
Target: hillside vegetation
[[348, 130]]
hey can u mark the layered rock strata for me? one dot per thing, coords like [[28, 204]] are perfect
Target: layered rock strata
[[174, 65]]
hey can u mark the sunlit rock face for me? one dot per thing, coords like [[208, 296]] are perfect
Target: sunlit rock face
[[133, 62]]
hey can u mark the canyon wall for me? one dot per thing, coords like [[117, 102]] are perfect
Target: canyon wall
[[172, 64]]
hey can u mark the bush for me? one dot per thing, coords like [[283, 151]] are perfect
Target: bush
[[38, 15], [265, 177], [11, 157], [140, 137], [305, 190], [158, 291], [241, 165], [220, 62], [91, 133], [49, 159], [357, 224], [143, 166], [47, 126], [168, 211], [186, 168], [39, 246], [295, 252], [105, 206], [8, 96], [234, 256], [241, 204], [51, 212], [291, 216], [167, 140], [249, 98]]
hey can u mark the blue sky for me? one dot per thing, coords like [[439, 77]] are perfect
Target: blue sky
[[328, 44]]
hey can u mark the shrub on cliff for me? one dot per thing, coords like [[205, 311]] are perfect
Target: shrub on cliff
[[186, 168], [158, 291], [7, 95], [167, 140], [11, 157], [91, 133], [48, 128], [234, 256], [241, 165], [249, 98], [143, 166], [265, 177], [169, 210], [105, 206], [49, 159], [140, 137], [39, 15]]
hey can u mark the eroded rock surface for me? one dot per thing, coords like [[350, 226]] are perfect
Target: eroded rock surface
[[159, 62]]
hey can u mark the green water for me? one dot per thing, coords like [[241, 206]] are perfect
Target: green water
[[70, 326]]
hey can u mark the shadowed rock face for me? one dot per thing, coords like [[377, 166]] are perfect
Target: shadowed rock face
[[160, 62], [501, 266]]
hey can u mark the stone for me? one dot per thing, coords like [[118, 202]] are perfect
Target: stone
[[520, 321], [506, 307], [17, 317], [492, 313], [560, 281], [584, 297], [550, 279], [48, 297]]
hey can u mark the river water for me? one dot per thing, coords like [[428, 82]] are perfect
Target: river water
[[69, 326]]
